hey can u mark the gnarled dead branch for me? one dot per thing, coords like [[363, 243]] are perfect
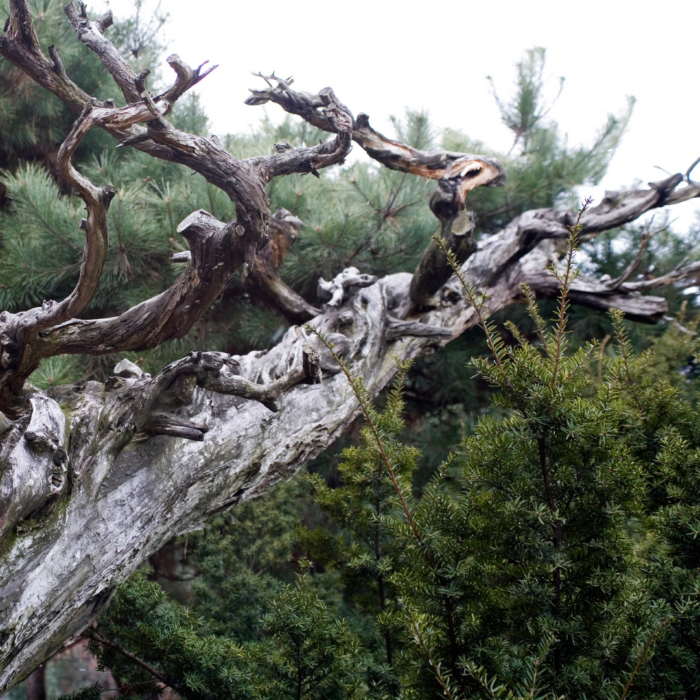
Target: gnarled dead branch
[[94, 478]]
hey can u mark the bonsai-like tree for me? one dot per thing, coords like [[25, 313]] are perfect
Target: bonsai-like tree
[[96, 477]]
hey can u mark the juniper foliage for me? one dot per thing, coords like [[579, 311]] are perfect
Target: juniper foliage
[[150, 642], [552, 555], [546, 558]]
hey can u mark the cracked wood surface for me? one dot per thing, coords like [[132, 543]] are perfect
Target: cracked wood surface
[[95, 478]]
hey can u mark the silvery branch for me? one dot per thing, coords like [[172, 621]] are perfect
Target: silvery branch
[[96, 477]]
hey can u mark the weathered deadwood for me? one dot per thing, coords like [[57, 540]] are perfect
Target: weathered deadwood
[[457, 173], [333, 292], [20, 46], [18, 331], [457, 228], [531, 228], [186, 78], [217, 251], [472, 171], [28, 337], [309, 160], [127, 495], [36, 470], [265, 278], [91, 33], [95, 478]]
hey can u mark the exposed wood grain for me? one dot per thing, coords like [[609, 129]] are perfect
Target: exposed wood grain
[[95, 478]]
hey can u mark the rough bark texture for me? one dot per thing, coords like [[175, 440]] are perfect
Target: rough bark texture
[[96, 478]]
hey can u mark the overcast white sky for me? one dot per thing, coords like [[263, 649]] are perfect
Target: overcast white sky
[[381, 56]]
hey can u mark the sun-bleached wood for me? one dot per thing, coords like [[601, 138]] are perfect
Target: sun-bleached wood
[[95, 478]]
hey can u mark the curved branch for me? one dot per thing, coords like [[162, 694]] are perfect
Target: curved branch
[[457, 173], [18, 331], [473, 171], [457, 228], [91, 33], [688, 273], [97, 201], [20, 46], [217, 250], [527, 231], [240, 181], [283, 231], [264, 280], [290, 160]]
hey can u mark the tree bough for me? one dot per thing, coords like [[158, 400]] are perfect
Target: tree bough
[[94, 478]]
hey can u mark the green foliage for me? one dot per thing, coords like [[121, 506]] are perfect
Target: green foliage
[[93, 692], [364, 552], [554, 553], [169, 641], [243, 557], [526, 109], [32, 122], [306, 654], [136, 266], [309, 654], [55, 371], [544, 558], [543, 169]]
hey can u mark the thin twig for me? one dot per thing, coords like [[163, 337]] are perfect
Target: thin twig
[[646, 237], [471, 293], [373, 428], [565, 284], [642, 657], [436, 668], [97, 637]]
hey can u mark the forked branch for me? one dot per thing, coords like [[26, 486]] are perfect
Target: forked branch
[[457, 173], [472, 171], [91, 33], [138, 459]]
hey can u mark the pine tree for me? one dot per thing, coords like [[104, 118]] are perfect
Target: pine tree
[[33, 123]]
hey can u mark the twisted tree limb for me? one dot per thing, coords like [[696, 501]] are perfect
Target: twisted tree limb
[[472, 171], [94, 478], [217, 249], [284, 229]]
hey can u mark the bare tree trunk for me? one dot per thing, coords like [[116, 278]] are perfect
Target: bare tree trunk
[[95, 478]]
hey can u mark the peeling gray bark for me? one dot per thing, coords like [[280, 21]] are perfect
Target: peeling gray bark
[[95, 478]]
